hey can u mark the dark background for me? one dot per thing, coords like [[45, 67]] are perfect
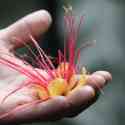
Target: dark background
[[105, 23]]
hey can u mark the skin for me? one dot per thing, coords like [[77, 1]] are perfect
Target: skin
[[32, 110]]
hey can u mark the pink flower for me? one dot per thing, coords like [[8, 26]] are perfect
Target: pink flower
[[57, 81]]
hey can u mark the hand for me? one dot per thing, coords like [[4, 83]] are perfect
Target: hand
[[28, 110]]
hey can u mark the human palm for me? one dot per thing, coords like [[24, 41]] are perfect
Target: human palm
[[22, 106]]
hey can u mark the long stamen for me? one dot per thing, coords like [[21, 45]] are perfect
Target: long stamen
[[83, 46], [39, 75], [46, 66], [71, 39], [21, 69], [61, 58], [73, 31], [65, 60], [29, 48], [48, 60], [79, 25], [42, 57], [25, 84]]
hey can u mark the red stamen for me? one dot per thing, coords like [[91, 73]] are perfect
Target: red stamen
[[42, 55]]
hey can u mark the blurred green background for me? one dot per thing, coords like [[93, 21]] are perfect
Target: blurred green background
[[105, 23]]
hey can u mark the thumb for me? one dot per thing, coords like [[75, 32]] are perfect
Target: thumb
[[35, 23]]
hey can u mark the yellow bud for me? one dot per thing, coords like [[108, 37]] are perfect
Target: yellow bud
[[84, 71], [42, 93], [81, 80], [57, 87]]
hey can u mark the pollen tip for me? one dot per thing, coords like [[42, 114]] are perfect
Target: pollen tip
[[67, 8]]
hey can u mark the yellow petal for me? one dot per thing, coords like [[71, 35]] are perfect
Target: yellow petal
[[80, 81], [72, 83]]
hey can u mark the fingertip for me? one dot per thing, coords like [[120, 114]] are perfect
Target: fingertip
[[42, 15], [79, 100], [48, 16], [36, 23], [87, 90], [107, 75], [96, 81], [81, 95], [39, 21]]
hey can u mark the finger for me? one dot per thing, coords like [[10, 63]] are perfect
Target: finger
[[35, 23], [79, 100], [44, 111], [99, 79], [107, 76], [96, 81]]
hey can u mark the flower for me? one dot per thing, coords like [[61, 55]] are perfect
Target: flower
[[57, 81]]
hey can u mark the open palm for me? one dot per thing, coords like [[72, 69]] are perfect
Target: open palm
[[21, 106]]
